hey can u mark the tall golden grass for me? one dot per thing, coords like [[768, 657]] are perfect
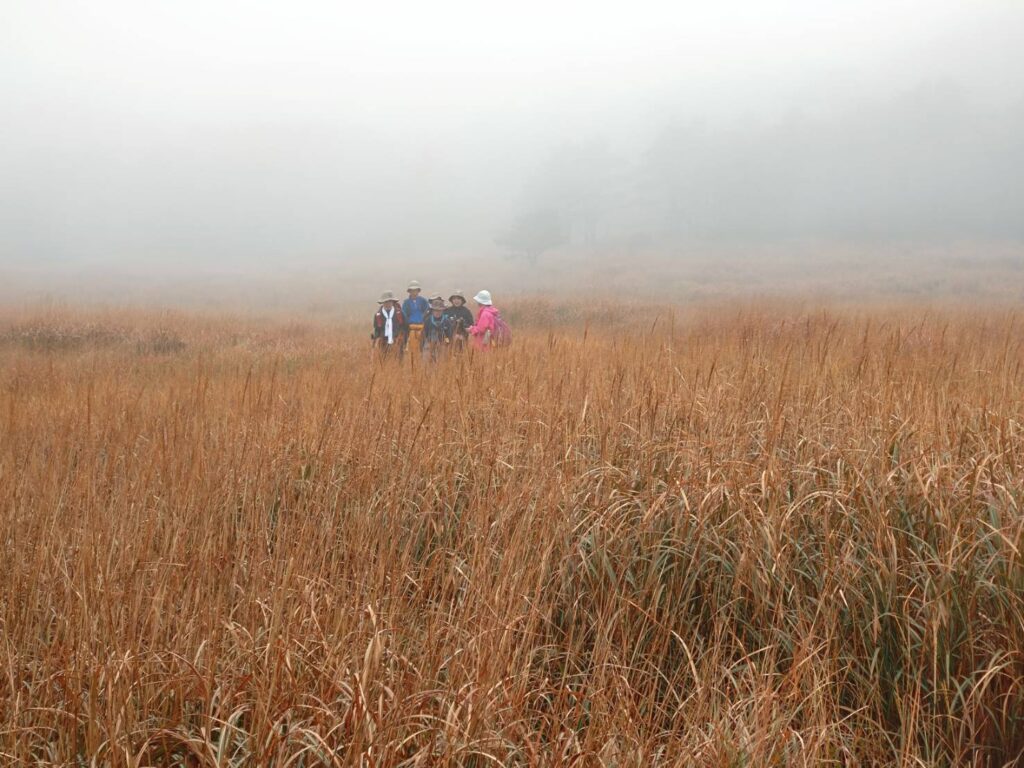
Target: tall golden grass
[[748, 535]]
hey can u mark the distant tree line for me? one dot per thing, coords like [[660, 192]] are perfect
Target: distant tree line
[[926, 165]]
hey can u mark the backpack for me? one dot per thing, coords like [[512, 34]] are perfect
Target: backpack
[[501, 336]]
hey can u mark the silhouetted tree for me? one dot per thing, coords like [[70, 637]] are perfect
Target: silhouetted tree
[[533, 233], [580, 182]]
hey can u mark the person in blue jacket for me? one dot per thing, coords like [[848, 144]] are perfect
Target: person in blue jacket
[[415, 309]]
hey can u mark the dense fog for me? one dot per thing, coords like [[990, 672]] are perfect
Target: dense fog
[[221, 131]]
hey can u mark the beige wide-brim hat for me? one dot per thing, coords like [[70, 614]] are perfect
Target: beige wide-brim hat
[[414, 285], [386, 297], [457, 295], [483, 297], [437, 303]]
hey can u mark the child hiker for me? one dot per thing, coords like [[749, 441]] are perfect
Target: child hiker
[[461, 318], [490, 329], [390, 329], [437, 331], [415, 309]]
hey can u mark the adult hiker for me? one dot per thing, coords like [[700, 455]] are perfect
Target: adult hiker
[[490, 329], [437, 331], [460, 316], [415, 309], [390, 328]]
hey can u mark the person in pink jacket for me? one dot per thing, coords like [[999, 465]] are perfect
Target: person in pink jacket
[[490, 329]]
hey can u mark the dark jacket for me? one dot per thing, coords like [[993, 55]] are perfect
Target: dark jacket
[[399, 327], [462, 314], [436, 330]]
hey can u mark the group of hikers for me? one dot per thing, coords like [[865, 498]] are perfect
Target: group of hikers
[[433, 328]]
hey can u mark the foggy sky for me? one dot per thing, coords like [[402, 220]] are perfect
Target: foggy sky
[[235, 131]]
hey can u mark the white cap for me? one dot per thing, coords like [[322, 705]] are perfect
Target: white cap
[[484, 297]]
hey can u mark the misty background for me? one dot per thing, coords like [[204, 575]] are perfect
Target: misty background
[[226, 133]]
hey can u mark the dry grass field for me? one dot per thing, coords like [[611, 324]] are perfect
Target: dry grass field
[[742, 535]]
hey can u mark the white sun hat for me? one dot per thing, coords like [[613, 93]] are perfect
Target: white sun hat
[[484, 297]]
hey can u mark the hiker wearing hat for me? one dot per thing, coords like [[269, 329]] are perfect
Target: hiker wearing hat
[[460, 316], [415, 309], [490, 329], [390, 328], [437, 331]]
